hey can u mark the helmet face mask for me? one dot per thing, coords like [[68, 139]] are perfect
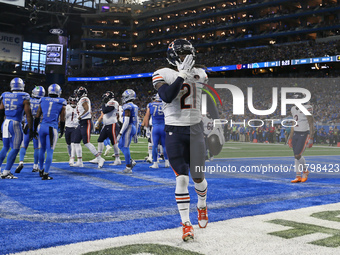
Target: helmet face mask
[[38, 92], [72, 101], [128, 95], [17, 84], [107, 96], [177, 49], [81, 92]]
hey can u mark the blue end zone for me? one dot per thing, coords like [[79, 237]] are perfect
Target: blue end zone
[[82, 204]]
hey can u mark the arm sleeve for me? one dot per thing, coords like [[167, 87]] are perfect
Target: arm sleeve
[[106, 109], [36, 123], [2, 116], [125, 124], [169, 92]]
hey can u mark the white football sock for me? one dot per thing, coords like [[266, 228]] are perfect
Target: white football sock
[[201, 190], [182, 197]]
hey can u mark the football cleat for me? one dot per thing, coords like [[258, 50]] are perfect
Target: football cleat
[[167, 164], [107, 150], [148, 159], [41, 173], [94, 161], [78, 164], [297, 179], [35, 170], [117, 162], [71, 162], [154, 165], [133, 163], [202, 217], [188, 232], [100, 162], [46, 177], [127, 170], [8, 176], [19, 168], [304, 176]]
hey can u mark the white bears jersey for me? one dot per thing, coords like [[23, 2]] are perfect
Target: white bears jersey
[[81, 110], [71, 117], [185, 109], [111, 117], [208, 125], [301, 118]]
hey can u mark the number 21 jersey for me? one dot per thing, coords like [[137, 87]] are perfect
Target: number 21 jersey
[[185, 109]]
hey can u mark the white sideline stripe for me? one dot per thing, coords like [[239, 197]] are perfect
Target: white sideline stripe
[[248, 235], [280, 144]]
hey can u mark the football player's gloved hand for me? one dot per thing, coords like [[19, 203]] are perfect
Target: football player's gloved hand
[[31, 134], [25, 129], [96, 124], [185, 67], [135, 138], [310, 143], [148, 132], [290, 144], [118, 137], [61, 133]]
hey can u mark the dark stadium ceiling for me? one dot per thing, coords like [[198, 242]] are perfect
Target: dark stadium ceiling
[[36, 19]]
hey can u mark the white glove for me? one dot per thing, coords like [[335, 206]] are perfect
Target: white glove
[[96, 124], [185, 67], [135, 138], [118, 137], [148, 132]]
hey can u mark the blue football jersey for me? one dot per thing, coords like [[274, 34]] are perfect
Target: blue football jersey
[[156, 111], [14, 104], [133, 112], [51, 108], [34, 103]]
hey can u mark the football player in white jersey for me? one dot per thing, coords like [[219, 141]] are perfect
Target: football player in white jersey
[[83, 131], [180, 90], [110, 109], [71, 124], [301, 136]]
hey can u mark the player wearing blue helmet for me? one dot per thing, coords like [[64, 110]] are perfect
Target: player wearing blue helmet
[[51, 108], [13, 105], [37, 93], [129, 128]]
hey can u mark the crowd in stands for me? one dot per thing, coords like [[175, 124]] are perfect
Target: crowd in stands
[[221, 56]]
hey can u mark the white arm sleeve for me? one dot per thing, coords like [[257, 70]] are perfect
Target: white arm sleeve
[[125, 124]]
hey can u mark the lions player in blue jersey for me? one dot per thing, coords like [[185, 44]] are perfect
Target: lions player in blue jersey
[[37, 93], [13, 105], [155, 109], [50, 109], [129, 128]]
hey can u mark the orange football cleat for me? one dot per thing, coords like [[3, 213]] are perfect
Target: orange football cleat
[[297, 179], [202, 217], [304, 176], [188, 232]]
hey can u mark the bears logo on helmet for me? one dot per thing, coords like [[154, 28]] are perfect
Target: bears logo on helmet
[[81, 92], [177, 48], [107, 96]]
